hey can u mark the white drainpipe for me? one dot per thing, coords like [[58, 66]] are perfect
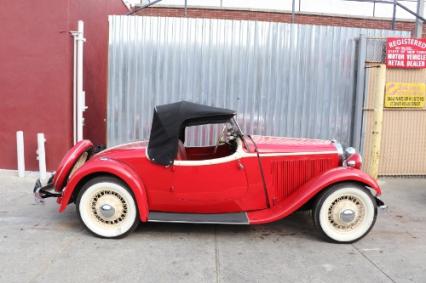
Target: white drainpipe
[[79, 105], [20, 152], [41, 156], [74, 91]]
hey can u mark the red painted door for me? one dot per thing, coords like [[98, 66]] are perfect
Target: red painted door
[[209, 186]]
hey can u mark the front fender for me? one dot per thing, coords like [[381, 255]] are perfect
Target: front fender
[[309, 190], [113, 167], [342, 174]]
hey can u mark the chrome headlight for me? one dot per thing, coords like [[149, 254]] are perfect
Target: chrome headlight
[[349, 151], [352, 158]]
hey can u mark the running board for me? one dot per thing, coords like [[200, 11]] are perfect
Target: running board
[[199, 218]]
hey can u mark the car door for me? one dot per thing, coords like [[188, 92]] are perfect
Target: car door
[[210, 186]]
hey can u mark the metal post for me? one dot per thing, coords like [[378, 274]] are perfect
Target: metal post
[[20, 153], [394, 14], [79, 105], [41, 156], [293, 8], [186, 6], [365, 98], [74, 91], [376, 131], [80, 92], [359, 92], [374, 9], [419, 22]]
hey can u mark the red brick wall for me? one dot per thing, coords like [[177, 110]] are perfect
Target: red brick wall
[[279, 17]]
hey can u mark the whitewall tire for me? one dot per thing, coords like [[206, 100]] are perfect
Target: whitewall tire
[[107, 208], [345, 213]]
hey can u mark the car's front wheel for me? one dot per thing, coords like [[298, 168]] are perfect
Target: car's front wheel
[[345, 213], [107, 208]]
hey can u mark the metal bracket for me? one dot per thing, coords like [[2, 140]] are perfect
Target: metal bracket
[[41, 192], [77, 35]]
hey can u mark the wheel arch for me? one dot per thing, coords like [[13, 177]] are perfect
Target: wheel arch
[[89, 177], [337, 176], [310, 191], [324, 188], [112, 168]]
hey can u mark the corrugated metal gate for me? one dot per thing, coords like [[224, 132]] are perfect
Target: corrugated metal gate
[[282, 79]]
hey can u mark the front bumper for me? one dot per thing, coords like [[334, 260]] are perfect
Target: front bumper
[[380, 203], [41, 192]]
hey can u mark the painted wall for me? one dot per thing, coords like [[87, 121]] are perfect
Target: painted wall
[[36, 74], [95, 13]]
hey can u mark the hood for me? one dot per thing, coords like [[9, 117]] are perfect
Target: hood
[[266, 144]]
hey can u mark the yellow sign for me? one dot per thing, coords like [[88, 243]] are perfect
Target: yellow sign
[[405, 95]]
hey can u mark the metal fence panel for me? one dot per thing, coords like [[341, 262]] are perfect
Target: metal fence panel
[[282, 79], [376, 50]]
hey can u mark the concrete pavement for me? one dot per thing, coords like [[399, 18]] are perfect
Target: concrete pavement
[[37, 244]]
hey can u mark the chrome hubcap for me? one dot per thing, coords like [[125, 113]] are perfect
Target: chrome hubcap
[[107, 211], [347, 215]]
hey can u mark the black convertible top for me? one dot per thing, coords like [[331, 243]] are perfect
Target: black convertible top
[[169, 122]]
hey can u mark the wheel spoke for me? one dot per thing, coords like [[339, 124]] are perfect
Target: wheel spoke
[[348, 204], [113, 200]]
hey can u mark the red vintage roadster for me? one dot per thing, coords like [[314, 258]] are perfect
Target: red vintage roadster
[[242, 179]]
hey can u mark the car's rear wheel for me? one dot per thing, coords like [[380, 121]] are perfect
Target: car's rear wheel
[[107, 208], [345, 213]]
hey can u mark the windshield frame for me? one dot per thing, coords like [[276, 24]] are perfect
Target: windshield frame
[[239, 132]]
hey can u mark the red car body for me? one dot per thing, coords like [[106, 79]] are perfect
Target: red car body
[[241, 180], [295, 170]]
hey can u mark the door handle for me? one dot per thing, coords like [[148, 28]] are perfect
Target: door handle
[[240, 165]]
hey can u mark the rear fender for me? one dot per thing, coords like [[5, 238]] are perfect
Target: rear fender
[[309, 190], [112, 167], [67, 163]]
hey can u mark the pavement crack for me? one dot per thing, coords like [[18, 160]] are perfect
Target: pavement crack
[[373, 263], [216, 254]]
